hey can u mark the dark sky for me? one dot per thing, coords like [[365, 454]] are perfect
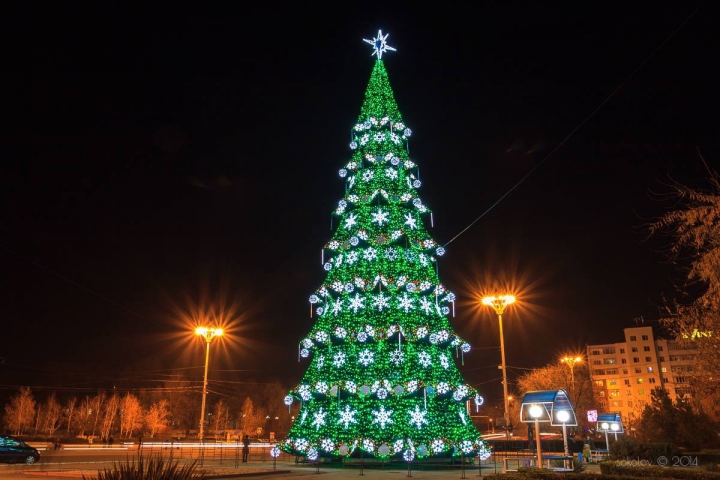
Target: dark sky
[[161, 158]]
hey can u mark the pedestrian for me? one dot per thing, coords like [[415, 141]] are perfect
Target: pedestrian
[[110, 441], [140, 442], [246, 448], [586, 452], [90, 440], [580, 457]]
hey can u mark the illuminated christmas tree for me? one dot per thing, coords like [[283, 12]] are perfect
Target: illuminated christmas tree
[[382, 376]]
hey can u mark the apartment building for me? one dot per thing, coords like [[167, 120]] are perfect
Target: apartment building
[[623, 374]]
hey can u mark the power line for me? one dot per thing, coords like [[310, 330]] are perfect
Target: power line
[[572, 132]]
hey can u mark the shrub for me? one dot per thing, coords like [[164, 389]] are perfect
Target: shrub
[[550, 475], [632, 448], [613, 468], [154, 468]]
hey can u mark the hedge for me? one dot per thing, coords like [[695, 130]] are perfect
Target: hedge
[[696, 473]]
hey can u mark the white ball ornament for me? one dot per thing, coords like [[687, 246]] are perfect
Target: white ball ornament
[[312, 454]]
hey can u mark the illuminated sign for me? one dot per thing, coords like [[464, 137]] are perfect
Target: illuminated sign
[[697, 334], [592, 416]]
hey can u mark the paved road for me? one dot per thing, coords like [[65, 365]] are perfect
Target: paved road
[[57, 465]]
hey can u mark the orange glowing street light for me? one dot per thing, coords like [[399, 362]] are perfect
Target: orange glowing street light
[[208, 334], [498, 304], [571, 361]]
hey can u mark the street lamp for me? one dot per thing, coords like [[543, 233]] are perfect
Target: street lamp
[[563, 416], [610, 422], [571, 361], [208, 334], [536, 412], [548, 406], [498, 304]]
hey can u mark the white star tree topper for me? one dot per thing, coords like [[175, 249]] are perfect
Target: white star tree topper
[[379, 44]]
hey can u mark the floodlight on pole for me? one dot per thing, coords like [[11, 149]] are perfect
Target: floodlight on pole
[[498, 303], [208, 334]]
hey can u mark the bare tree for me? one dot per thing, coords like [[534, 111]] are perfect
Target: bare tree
[[695, 317], [221, 417], [109, 415], [53, 411], [250, 417], [131, 415], [69, 413], [85, 416], [156, 418], [20, 412], [96, 404]]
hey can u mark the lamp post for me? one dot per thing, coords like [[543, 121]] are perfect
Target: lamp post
[[571, 361], [606, 426], [563, 416], [536, 411], [498, 304], [208, 334]]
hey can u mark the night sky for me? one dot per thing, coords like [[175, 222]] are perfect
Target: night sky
[[164, 161]]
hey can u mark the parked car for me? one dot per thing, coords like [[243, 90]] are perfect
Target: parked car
[[13, 450]]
